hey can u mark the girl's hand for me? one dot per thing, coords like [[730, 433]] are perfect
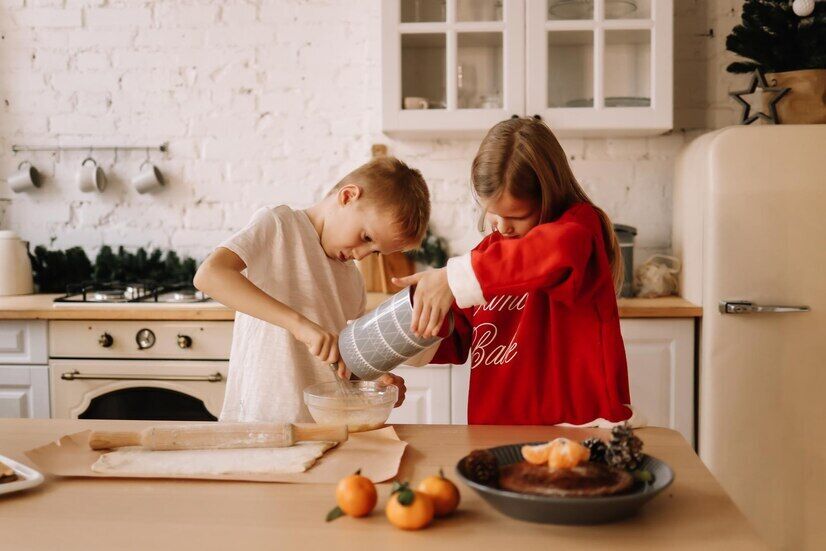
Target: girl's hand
[[393, 379], [431, 301], [321, 343]]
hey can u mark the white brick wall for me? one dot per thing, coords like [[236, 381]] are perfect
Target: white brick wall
[[271, 101]]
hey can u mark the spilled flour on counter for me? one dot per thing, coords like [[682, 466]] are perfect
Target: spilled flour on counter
[[137, 460]]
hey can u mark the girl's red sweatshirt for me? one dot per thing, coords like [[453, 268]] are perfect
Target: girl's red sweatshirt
[[538, 316]]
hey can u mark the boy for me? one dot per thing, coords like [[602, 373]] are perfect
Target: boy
[[299, 286]]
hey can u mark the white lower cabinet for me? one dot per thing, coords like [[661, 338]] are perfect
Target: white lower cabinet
[[459, 387], [24, 391], [24, 375], [428, 395], [23, 342], [660, 354]]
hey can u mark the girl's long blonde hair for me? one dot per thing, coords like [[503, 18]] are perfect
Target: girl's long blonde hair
[[522, 156]]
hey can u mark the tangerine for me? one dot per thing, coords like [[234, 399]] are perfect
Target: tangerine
[[443, 493], [409, 509], [538, 454], [566, 454], [356, 495]]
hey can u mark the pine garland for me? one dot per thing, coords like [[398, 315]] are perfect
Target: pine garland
[[55, 270], [433, 251], [773, 38]]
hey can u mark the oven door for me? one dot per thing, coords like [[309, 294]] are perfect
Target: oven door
[[137, 389]]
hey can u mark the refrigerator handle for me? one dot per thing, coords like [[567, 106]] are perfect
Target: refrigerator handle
[[746, 307]]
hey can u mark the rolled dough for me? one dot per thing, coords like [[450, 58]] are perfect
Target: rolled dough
[[137, 460]]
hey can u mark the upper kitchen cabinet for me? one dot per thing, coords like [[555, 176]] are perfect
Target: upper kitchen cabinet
[[587, 67], [451, 67], [600, 67]]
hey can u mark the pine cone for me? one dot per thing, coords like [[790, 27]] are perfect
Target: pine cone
[[482, 467], [597, 448], [624, 450]]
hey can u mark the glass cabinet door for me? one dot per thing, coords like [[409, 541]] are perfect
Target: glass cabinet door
[[451, 65], [480, 10], [592, 65], [570, 69], [627, 73], [423, 11], [424, 63], [479, 70]]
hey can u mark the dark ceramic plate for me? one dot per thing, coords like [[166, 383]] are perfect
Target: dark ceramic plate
[[569, 510]]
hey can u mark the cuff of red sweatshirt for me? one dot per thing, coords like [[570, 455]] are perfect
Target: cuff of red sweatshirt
[[463, 283]]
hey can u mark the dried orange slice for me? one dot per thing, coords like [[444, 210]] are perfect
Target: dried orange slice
[[566, 454], [537, 454]]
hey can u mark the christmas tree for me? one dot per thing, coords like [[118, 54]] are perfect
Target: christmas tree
[[775, 39]]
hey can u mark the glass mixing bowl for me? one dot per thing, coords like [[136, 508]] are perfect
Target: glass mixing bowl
[[365, 406]]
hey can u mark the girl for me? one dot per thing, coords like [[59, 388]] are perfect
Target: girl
[[534, 303]]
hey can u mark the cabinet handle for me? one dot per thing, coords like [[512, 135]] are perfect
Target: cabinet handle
[[77, 375], [514, 116], [537, 117]]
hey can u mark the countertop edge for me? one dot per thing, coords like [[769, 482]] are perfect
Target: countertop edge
[[39, 307]]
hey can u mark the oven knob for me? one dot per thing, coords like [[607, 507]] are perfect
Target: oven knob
[[145, 339], [106, 340], [184, 341]]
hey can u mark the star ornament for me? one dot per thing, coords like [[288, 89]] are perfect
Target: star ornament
[[758, 80]]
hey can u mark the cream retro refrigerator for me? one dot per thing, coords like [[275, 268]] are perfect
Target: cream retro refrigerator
[[750, 227]]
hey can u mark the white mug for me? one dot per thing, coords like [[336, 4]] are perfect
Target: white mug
[[148, 178], [412, 102], [24, 179], [490, 101], [90, 177]]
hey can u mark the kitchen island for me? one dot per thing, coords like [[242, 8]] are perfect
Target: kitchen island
[[73, 513]]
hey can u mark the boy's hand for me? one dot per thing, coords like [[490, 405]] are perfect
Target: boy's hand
[[342, 370], [321, 343], [431, 300], [393, 379]]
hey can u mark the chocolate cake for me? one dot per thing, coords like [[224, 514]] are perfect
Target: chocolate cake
[[584, 480]]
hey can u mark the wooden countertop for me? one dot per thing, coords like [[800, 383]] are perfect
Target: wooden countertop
[[664, 307], [74, 513], [41, 307]]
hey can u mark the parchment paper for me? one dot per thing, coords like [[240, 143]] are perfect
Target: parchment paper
[[377, 453]]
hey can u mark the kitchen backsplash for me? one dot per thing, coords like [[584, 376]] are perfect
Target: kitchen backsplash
[[272, 102]]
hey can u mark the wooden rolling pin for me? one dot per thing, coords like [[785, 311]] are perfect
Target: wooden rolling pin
[[218, 436]]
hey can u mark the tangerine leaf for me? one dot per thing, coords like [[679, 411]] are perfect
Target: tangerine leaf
[[334, 513]]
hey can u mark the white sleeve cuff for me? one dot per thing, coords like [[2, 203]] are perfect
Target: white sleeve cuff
[[636, 421], [463, 283]]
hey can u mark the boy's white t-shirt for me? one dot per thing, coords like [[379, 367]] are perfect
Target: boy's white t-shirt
[[268, 368]]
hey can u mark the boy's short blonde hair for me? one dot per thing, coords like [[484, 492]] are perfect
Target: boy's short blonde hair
[[389, 183]]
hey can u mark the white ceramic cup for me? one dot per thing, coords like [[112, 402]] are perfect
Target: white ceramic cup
[[24, 179], [413, 102], [90, 176], [148, 178], [490, 101]]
